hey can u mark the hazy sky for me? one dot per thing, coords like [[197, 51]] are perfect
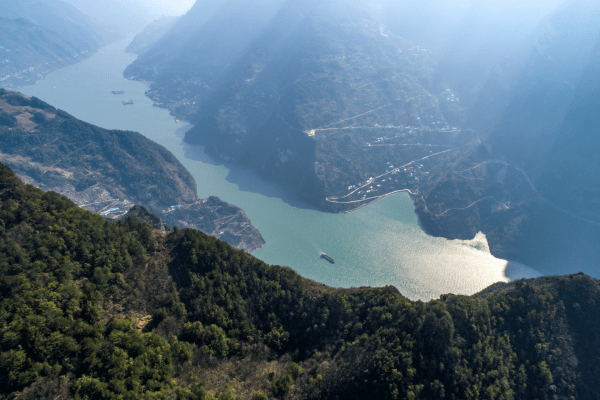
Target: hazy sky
[[173, 7]]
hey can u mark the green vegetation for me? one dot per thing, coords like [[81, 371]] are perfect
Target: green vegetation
[[283, 384], [96, 310]]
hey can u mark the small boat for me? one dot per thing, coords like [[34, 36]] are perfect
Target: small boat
[[325, 256], [127, 102], [117, 92]]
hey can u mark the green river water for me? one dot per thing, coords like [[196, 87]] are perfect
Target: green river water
[[381, 244]]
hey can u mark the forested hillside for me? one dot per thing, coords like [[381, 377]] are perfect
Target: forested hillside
[[107, 171], [94, 310]]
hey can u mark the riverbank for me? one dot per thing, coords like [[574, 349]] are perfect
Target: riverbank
[[377, 245]]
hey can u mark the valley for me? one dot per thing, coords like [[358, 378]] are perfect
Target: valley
[[291, 199], [364, 243], [344, 112]]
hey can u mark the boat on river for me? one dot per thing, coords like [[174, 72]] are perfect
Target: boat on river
[[117, 92], [325, 256], [127, 102]]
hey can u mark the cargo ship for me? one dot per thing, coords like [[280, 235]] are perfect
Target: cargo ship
[[325, 256], [127, 102], [117, 92]]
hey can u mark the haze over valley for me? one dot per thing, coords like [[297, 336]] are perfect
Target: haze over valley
[[297, 199], [345, 111]]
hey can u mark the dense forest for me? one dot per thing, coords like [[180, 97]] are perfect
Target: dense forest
[[97, 310]]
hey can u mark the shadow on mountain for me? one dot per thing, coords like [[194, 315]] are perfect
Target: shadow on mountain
[[515, 271], [246, 179], [558, 243]]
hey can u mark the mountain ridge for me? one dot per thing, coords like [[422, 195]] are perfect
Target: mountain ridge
[[109, 171], [56, 34], [121, 310]]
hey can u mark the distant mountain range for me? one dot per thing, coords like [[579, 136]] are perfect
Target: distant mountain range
[[39, 36], [108, 171], [534, 187], [59, 17], [29, 51], [323, 97], [122, 17], [151, 34]]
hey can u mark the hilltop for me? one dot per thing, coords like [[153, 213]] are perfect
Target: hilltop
[[99, 310]]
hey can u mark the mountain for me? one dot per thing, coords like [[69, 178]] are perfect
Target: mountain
[[204, 42], [321, 91], [100, 310], [328, 101], [532, 187], [57, 16], [108, 171], [151, 34], [39, 36], [119, 17], [28, 52]]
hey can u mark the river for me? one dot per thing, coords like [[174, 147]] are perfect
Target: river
[[381, 244]]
